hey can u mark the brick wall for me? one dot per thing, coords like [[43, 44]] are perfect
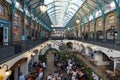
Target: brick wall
[[6, 15], [109, 22]]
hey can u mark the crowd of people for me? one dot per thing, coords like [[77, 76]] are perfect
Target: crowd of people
[[68, 69], [57, 75], [35, 72], [75, 70]]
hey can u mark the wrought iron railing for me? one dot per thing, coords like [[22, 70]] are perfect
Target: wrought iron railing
[[107, 44], [9, 50], [112, 44]]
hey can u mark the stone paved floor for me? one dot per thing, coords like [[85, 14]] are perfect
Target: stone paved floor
[[50, 65]]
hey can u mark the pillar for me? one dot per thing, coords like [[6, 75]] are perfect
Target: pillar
[[12, 8], [118, 30], [117, 4]]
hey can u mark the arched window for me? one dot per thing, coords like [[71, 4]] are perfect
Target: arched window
[[2, 10], [16, 18]]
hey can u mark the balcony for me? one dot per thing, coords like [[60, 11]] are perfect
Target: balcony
[[107, 44], [11, 50]]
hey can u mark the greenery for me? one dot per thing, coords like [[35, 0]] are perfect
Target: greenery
[[43, 58], [64, 55]]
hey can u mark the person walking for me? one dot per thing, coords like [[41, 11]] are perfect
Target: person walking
[[22, 76]]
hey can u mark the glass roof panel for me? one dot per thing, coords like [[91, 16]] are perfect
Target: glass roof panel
[[59, 10]]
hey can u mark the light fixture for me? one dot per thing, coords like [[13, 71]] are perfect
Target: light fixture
[[77, 21], [52, 25], [33, 54], [68, 28], [7, 71], [94, 47], [112, 30], [43, 8]]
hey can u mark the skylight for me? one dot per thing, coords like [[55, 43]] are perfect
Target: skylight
[[61, 11]]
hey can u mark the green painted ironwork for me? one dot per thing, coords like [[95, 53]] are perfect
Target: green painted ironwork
[[23, 18], [12, 10], [117, 5], [101, 7], [30, 23], [27, 4], [94, 20]]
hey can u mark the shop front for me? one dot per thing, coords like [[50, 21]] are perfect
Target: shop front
[[20, 66], [3, 32]]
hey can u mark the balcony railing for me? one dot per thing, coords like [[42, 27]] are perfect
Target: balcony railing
[[107, 44], [10, 50], [100, 42]]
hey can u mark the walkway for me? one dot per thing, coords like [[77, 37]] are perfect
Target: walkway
[[50, 65]]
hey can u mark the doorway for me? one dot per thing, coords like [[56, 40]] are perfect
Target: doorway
[[11, 77], [15, 74], [1, 35]]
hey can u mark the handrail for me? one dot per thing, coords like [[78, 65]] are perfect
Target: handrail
[[9, 50], [12, 49], [107, 44], [99, 42]]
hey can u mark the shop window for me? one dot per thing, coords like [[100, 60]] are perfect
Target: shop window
[[25, 21], [111, 19], [2, 10], [15, 31], [100, 23]]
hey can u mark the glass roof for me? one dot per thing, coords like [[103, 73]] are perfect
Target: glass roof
[[61, 11]]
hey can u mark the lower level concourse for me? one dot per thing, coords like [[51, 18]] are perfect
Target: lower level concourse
[[59, 39]]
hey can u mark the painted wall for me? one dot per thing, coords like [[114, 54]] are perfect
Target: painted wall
[[99, 59]]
